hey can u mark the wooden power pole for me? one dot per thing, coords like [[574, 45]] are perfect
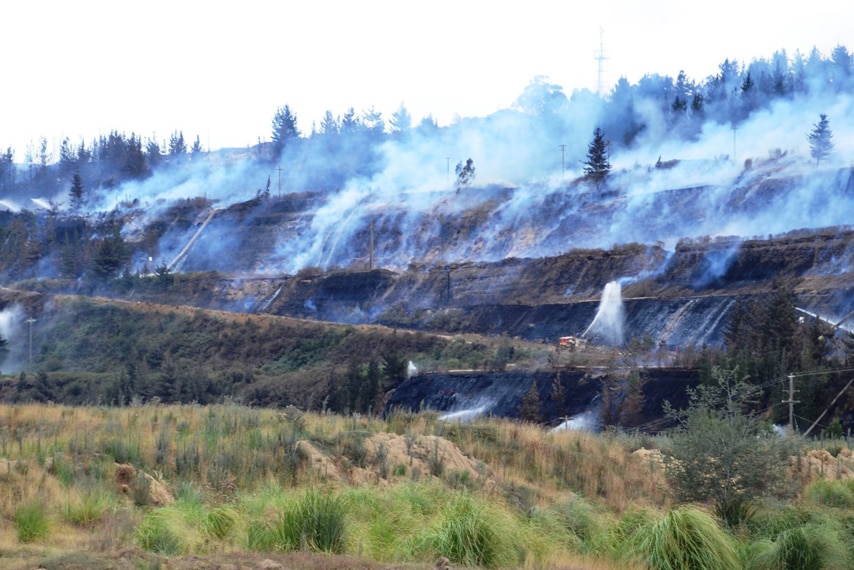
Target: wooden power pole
[[791, 401]]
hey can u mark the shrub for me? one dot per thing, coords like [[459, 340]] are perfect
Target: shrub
[[684, 538], [31, 522]]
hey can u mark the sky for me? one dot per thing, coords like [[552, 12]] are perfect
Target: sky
[[219, 71]]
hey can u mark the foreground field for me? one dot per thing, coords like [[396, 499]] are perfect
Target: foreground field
[[234, 487]]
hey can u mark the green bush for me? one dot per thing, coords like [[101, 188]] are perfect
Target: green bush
[[31, 522]]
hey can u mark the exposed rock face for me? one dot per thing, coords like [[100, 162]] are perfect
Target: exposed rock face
[[680, 298]]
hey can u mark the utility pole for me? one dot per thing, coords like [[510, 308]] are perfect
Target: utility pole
[[562, 159], [30, 321], [280, 180], [791, 401]]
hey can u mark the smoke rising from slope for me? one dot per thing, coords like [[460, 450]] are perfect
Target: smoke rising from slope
[[747, 178]]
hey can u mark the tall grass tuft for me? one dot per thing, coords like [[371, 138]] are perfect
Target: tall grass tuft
[[159, 533], [315, 522], [815, 545], [684, 538], [471, 534], [831, 493], [88, 510], [31, 522]]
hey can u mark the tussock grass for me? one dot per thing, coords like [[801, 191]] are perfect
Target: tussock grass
[[88, 509], [471, 533], [814, 545], [685, 537], [313, 522], [831, 493], [31, 522]]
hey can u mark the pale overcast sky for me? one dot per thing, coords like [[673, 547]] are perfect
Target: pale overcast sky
[[220, 70]]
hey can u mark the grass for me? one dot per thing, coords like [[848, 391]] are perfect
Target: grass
[[31, 522], [684, 538], [314, 522], [493, 494]]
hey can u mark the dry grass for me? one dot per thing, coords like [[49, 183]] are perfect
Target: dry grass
[[564, 497]]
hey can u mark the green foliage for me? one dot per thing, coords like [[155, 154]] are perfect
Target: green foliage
[[219, 522], [31, 522], [160, 533], [315, 522], [820, 139], [683, 538], [580, 518], [529, 407], [284, 128], [89, 510], [721, 453], [471, 534], [597, 166], [828, 493], [816, 545]]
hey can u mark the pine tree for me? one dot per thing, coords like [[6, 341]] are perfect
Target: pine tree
[[820, 143], [558, 396], [465, 174], [177, 145], [597, 165], [196, 149], [284, 128], [529, 407], [76, 193]]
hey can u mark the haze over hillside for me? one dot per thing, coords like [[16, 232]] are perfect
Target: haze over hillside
[[737, 140], [730, 156]]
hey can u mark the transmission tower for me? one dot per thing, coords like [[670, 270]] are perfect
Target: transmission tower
[[600, 58]]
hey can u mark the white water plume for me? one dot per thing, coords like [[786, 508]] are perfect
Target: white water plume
[[13, 330], [411, 370], [463, 416], [610, 317], [585, 421]]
